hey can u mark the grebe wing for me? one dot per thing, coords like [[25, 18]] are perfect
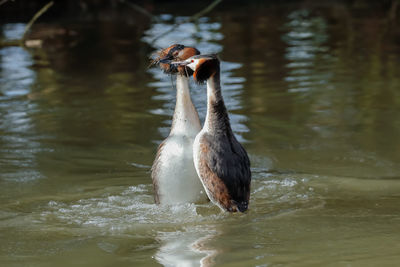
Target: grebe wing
[[155, 171], [226, 163]]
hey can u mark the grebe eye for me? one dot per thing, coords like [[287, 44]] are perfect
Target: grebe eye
[[192, 61]]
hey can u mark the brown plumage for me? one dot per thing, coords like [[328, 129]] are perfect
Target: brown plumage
[[175, 52], [220, 160], [217, 189]]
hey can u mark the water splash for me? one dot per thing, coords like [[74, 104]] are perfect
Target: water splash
[[122, 213]]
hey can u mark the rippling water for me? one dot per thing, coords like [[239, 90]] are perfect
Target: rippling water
[[313, 94]]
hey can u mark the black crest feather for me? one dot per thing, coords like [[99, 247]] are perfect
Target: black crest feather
[[206, 69]]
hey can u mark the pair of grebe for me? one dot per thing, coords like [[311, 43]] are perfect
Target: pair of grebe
[[194, 163]]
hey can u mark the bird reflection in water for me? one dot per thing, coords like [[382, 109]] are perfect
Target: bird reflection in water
[[187, 248]]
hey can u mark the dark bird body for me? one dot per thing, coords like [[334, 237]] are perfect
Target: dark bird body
[[220, 160]]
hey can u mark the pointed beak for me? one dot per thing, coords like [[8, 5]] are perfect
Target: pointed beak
[[166, 60], [179, 63], [169, 60]]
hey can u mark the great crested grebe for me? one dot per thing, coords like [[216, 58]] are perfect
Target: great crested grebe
[[220, 160], [173, 173]]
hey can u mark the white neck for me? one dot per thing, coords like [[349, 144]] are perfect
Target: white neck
[[185, 119], [213, 95]]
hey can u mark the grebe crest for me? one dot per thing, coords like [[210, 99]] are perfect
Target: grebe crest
[[175, 52], [203, 66]]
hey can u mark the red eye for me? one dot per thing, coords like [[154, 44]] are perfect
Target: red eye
[[192, 60]]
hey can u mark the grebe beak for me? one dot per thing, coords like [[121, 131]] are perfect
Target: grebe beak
[[179, 63], [166, 60]]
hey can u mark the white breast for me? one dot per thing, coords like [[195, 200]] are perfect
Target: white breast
[[177, 178]]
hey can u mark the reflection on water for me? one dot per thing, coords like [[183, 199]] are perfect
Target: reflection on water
[[203, 35], [187, 247], [306, 52], [13, 31], [312, 91], [310, 67], [18, 139]]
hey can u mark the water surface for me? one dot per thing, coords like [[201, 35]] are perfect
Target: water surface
[[312, 92]]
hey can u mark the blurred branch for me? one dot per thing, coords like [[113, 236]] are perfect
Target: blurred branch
[[35, 17], [23, 41], [140, 9], [190, 19], [205, 10]]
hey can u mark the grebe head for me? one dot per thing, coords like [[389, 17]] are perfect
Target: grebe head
[[203, 66], [175, 52]]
